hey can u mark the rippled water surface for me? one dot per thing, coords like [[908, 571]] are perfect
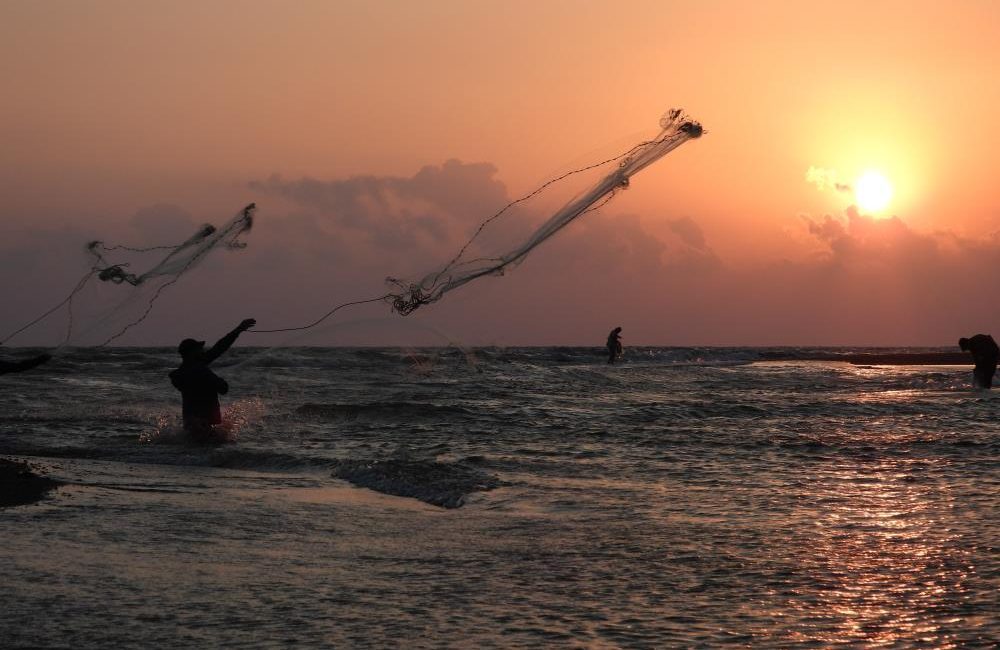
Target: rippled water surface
[[686, 498]]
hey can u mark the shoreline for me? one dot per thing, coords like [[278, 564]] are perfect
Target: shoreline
[[20, 485], [899, 358]]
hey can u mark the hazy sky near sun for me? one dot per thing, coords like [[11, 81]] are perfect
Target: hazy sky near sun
[[374, 136]]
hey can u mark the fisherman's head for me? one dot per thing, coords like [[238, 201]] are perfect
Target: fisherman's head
[[617, 329], [963, 343], [190, 349]]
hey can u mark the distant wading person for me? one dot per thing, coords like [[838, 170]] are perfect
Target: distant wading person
[[199, 386], [614, 344], [985, 354], [20, 366]]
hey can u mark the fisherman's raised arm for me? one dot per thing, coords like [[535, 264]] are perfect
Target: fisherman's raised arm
[[227, 341]]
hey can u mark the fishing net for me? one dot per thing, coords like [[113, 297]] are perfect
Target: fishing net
[[603, 181], [147, 271], [677, 129]]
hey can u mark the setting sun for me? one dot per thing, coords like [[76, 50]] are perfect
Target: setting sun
[[873, 191]]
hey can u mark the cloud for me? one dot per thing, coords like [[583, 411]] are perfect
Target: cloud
[[875, 281], [826, 179], [864, 239], [689, 232], [393, 213]]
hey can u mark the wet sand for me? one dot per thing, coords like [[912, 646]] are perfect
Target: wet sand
[[19, 485]]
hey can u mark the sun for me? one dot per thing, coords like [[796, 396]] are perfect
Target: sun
[[872, 191]]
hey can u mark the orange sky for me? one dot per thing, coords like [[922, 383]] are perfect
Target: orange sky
[[112, 107]]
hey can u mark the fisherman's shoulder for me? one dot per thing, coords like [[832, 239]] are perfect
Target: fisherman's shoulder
[[982, 339]]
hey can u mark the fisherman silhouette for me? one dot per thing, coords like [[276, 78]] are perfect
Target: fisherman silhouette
[[199, 386], [614, 344], [985, 354], [21, 366]]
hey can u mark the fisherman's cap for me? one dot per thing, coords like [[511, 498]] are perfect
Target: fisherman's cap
[[188, 346]]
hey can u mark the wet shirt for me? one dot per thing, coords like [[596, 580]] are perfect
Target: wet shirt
[[200, 389]]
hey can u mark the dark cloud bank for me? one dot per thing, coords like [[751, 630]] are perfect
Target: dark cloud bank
[[317, 243]]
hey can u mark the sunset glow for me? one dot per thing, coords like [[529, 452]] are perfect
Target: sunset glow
[[375, 137], [873, 191]]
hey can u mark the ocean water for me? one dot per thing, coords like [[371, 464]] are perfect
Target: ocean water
[[684, 498]]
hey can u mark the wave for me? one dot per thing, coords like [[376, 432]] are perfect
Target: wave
[[391, 410], [265, 461], [181, 451], [77, 360]]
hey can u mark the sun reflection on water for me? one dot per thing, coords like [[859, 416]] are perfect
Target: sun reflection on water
[[884, 566]]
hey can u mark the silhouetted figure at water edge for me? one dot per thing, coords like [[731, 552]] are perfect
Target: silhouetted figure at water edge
[[614, 344], [199, 386], [20, 366], [985, 354]]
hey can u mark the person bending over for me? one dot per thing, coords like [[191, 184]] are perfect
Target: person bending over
[[199, 386], [614, 344], [985, 354], [21, 366]]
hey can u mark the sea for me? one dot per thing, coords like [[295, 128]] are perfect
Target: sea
[[505, 498]]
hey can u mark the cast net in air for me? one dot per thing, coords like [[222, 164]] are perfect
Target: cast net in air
[[676, 129], [475, 259], [148, 272]]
